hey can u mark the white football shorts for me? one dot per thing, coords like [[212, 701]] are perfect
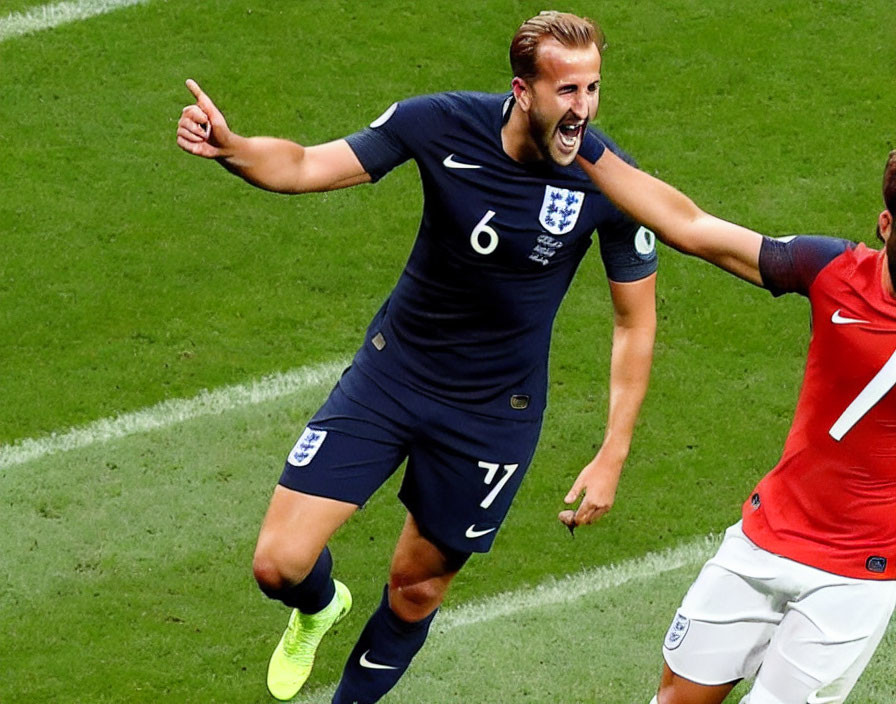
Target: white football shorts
[[805, 635]]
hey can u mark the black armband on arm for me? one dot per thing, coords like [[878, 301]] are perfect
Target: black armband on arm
[[592, 148]]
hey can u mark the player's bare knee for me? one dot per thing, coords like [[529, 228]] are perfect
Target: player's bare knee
[[668, 694], [664, 695], [414, 600], [276, 571], [677, 690], [267, 575]]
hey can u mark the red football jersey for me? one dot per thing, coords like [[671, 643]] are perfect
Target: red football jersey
[[831, 500]]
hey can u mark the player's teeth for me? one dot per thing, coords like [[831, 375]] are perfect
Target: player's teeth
[[568, 134]]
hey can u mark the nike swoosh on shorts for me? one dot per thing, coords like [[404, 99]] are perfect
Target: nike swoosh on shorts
[[473, 533]]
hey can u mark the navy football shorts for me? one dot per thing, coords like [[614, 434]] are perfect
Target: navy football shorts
[[463, 468]]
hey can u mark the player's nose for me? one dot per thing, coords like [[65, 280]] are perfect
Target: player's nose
[[580, 106]]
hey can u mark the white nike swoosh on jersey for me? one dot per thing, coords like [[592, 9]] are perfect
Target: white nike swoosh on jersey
[[452, 164], [838, 319], [473, 533], [373, 665]]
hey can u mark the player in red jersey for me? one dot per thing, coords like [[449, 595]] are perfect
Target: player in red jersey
[[802, 589]]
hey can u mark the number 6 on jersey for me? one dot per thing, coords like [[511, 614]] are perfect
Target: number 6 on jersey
[[483, 228]]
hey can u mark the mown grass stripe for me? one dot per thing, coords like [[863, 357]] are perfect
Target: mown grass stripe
[[43, 17], [173, 411], [556, 591]]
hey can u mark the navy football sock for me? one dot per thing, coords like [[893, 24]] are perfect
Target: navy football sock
[[315, 591], [382, 654]]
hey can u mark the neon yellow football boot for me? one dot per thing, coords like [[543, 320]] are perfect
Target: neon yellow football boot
[[291, 662]]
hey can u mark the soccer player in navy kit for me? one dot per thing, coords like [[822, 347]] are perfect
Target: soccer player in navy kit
[[452, 374]]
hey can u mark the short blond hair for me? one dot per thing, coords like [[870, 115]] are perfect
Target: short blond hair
[[568, 29]]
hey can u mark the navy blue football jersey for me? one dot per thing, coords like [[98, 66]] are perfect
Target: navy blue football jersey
[[470, 319]]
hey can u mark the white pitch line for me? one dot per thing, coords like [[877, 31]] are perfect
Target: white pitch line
[[173, 411], [43, 17], [552, 592], [575, 586]]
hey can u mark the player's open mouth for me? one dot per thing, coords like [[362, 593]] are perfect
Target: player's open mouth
[[570, 134]]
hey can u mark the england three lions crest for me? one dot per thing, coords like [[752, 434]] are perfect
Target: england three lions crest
[[560, 209]]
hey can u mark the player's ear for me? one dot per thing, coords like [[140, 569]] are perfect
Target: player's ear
[[885, 224], [521, 93]]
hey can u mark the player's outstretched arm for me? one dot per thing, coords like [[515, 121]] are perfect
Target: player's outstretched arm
[[267, 162], [675, 218]]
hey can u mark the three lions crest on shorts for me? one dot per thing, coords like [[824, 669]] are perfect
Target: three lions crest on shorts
[[306, 447], [677, 631]]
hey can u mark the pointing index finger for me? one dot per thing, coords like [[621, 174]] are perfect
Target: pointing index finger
[[204, 103], [194, 88]]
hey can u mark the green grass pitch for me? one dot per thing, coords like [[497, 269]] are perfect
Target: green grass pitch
[[132, 273]]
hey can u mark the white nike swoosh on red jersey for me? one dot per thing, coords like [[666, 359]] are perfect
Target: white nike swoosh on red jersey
[[838, 319]]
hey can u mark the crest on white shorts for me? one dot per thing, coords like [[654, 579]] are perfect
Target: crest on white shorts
[[677, 631], [306, 447], [560, 209]]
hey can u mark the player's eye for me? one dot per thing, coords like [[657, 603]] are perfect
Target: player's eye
[[594, 87]]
